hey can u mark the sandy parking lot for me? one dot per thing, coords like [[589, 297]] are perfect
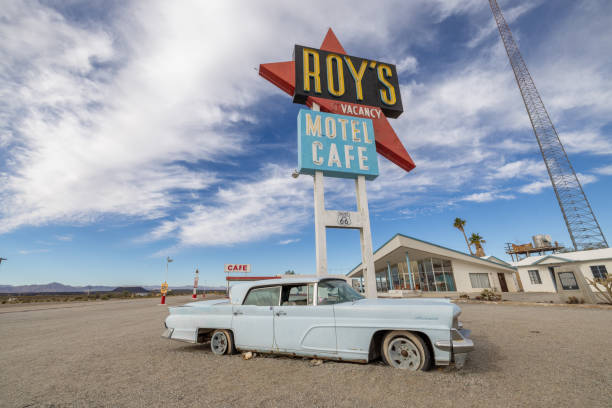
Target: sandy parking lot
[[111, 354]]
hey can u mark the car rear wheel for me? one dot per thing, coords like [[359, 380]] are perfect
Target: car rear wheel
[[405, 350], [221, 342]]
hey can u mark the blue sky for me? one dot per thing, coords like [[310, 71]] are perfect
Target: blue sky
[[130, 131]]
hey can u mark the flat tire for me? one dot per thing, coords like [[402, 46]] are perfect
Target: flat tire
[[222, 342], [406, 351]]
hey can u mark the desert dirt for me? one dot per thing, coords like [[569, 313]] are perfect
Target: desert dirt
[[110, 354]]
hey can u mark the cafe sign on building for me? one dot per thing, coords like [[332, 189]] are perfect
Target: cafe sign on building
[[232, 268]]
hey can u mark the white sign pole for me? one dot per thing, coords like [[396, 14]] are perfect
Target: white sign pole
[[365, 236], [344, 219], [319, 213]]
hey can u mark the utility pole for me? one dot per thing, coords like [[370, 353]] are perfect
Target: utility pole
[[583, 228]]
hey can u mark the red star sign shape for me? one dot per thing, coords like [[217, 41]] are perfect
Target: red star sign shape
[[282, 74]]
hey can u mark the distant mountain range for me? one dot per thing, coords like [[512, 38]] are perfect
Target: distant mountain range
[[56, 287]]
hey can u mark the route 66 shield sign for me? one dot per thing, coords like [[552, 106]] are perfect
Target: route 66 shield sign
[[344, 218]]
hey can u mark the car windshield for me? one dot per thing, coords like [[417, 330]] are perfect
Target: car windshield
[[336, 291]]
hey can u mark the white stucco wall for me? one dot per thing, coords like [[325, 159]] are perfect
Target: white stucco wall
[[585, 268], [462, 270], [547, 284]]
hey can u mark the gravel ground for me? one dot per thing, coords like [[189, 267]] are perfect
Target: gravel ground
[[111, 354]]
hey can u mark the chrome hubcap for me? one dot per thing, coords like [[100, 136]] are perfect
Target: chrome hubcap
[[218, 343], [404, 354]]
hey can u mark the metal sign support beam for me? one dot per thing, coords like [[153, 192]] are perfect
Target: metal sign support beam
[[359, 219]]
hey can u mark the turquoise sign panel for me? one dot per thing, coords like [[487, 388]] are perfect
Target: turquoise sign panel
[[338, 145]]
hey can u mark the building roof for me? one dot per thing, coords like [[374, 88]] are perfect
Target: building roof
[[577, 256], [435, 248], [495, 259]]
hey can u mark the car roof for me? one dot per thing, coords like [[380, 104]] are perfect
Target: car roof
[[239, 290]]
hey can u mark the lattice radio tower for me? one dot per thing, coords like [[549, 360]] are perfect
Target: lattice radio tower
[[583, 228]]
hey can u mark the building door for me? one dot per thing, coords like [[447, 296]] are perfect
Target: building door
[[551, 270], [502, 282]]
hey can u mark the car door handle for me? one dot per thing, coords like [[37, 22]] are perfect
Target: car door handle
[[281, 313], [237, 313]]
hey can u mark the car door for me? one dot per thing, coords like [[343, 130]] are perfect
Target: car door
[[300, 326], [253, 321]]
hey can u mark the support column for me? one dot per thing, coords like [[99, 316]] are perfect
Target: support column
[[410, 277], [319, 213], [320, 231], [389, 277], [365, 235]]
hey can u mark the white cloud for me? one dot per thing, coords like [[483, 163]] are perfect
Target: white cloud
[[520, 169], [33, 251], [605, 170], [271, 204], [103, 117], [289, 241], [487, 196], [407, 65], [586, 141], [511, 14], [65, 238], [586, 178], [535, 187]]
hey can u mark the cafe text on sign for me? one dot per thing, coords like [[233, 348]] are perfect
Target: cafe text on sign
[[337, 145], [244, 268]]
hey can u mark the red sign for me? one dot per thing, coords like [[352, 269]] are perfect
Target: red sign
[[282, 74], [237, 268]]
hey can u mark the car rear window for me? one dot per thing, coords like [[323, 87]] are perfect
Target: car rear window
[[263, 296]]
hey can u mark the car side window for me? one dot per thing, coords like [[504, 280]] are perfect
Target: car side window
[[336, 291], [297, 295], [263, 297], [327, 294]]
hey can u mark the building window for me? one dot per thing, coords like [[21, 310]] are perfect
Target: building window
[[435, 275], [534, 277], [568, 280], [480, 280], [599, 271]]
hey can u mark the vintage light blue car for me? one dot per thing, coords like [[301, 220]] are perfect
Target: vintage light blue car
[[325, 318]]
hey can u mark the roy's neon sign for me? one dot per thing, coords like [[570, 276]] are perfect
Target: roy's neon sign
[[345, 78]]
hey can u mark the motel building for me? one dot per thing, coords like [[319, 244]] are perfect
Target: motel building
[[565, 274], [406, 266]]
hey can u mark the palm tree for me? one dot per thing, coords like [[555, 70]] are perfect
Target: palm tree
[[459, 224], [477, 241]]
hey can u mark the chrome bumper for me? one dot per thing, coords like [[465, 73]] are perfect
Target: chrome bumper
[[167, 334], [459, 345]]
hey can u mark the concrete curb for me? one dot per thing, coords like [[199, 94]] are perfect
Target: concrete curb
[[512, 303]]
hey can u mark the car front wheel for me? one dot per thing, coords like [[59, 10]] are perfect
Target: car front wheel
[[406, 350], [221, 342]]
